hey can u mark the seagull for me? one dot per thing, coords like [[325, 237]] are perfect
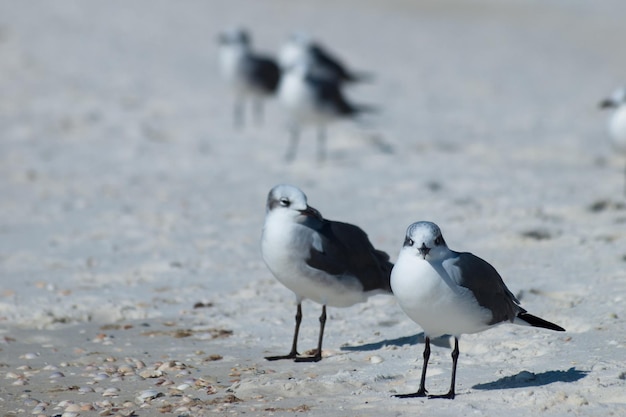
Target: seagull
[[323, 63], [617, 120], [250, 75], [451, 293], [329, 262], [309, 99]]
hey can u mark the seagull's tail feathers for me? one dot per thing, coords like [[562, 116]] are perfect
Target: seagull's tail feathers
[[359, 109], [535, 321], [359, 77]]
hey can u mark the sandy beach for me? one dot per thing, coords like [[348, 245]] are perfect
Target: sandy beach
[[131, 209]]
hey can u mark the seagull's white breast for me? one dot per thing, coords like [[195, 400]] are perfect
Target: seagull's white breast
[[429, 300], [298, 99], [617, 128], [231, 59], [285, 245]]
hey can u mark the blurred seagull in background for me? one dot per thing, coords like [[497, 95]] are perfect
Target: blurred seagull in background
[[322, 62], [250, 75], [448, 292], [309, 99], [617, 121], [329, 262]]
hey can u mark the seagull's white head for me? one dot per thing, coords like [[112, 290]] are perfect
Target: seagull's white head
[[290, 201], [426, 240], [617, 99], [237, 37], [294, 50]]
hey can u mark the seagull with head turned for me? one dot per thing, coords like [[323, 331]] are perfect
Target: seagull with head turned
[[329, 262], [311, 100], [617, 120], [323, 63], [250, 75], [451, 293]]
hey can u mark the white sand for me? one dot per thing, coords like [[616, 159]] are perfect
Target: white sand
[[126, 197]]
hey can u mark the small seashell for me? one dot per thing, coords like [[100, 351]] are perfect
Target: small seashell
[[39, 408], [126, 370], [73, 408], [31, 402], [50, 368], [20, 381], [111, 392], [376, 359], [12, 375], [150, 373], [148, 394], [101, 376], [69, 414], [85, 390], [56, 375], [164, 382], [86, 407], [126, 412], [166, 366], [29, 355], [182, 387]]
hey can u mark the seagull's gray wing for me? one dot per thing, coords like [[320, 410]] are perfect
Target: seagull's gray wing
[[346, 250], [482, 279]]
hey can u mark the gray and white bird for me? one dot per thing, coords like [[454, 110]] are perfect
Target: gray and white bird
[[329, 262], [323, 63], [310, 100], [617, 121], [250, 75], [451, 293]]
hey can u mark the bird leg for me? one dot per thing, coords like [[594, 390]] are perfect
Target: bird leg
[[258, 111], [238, 111], [625, 179], [455, 357], [293, 144], [294, 346], [321, 144], [318, 354], [421, 392]]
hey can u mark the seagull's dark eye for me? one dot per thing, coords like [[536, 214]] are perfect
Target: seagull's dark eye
[[408, 242], [284, 202], [439, 240]]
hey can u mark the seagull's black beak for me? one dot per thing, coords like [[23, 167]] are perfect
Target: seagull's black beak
[[607, 104], [423, 250], [311, 212]]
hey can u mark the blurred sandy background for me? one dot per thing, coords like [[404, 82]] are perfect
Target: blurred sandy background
[[127, 198]]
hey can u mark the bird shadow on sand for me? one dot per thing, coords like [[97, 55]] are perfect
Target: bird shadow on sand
[[443, 341], [526, 379]]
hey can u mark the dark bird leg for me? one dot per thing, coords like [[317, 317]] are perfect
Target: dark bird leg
[[321, 144], [294, 345], [294, 137], [421, 392], [258, 111], [318, 354], [455, 357], [238, 111]]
